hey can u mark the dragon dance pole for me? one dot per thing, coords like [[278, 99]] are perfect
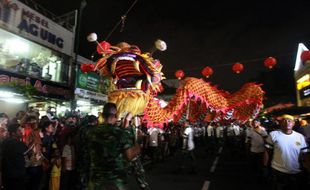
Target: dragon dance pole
[[187, 109]]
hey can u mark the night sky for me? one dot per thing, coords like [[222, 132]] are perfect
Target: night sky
[[202, 33]]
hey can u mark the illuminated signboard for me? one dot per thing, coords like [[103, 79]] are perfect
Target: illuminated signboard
[[24, 21], [305, 92], [303, 82]]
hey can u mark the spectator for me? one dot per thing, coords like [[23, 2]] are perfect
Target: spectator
[[18, 117], [54, 183], [306, 131], [188, 149], [255, 138], [13, 162], [32, 138], [47, 142], [3, 136], [4, 119], [68, 164], [155, 135], [286, 145]]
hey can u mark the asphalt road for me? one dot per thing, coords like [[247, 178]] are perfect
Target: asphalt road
[[224, 167]]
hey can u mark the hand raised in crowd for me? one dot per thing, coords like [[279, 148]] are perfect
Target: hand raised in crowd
[[127, 120]]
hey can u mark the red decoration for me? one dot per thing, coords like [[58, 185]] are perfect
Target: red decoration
[[179, 74], [207, 71], [237, 68], [103, 47], [86, 68], [270, 62], [161, 88], [305, 56]]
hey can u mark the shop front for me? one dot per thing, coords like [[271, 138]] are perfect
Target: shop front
[[91, 90], [35, 60], [302, 78], [32, 92]]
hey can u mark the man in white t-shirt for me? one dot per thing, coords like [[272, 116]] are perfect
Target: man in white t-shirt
[[188, 136], [286, 145], [210, 148], [236, 129], [210, 130], [188, 148], [155, 135], [219, 132]]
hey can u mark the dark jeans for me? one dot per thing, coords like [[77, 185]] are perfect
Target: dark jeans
[[44, 185], [188, 160], [68, 180], [14, 183], [256, 163], [283, 181], [154, 153], [34, 176]]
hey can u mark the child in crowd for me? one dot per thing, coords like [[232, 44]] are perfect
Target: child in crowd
[[54, 183]]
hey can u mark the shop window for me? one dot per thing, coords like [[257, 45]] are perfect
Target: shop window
[[24, 57]]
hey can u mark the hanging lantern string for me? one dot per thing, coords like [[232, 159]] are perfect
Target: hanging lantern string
[[121, 21], [255, 60]]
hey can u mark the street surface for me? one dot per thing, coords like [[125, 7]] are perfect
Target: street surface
[[223, 168]]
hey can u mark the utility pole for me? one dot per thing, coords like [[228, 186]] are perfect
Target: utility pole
[[75, 64], [78, 28]]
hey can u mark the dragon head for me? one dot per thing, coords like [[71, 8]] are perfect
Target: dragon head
[[135, 76]]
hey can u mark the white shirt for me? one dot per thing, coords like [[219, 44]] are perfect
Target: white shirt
[[236, 129], [196, 131], [256, 139], [219, 131], [189, 132], [286, 151], [154, 132], [210, 131], [230, 131], [67, 153], [203, 131]]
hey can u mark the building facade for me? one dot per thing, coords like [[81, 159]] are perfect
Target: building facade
[[36, 56]]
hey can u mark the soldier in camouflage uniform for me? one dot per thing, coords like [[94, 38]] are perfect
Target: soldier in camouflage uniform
[[135, 165], [110, 146]]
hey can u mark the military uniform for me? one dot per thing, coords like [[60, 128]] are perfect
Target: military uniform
[[135, 165], [106, 144]]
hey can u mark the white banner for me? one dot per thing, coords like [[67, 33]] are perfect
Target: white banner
[[26, 22]]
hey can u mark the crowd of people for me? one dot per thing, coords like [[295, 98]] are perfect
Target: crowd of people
[[90, 152]]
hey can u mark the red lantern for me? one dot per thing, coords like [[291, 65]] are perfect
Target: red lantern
[[179, 74], [270, 62], [103, 47], [86, 68], [207, 71], [305, 56], [237, 68]]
